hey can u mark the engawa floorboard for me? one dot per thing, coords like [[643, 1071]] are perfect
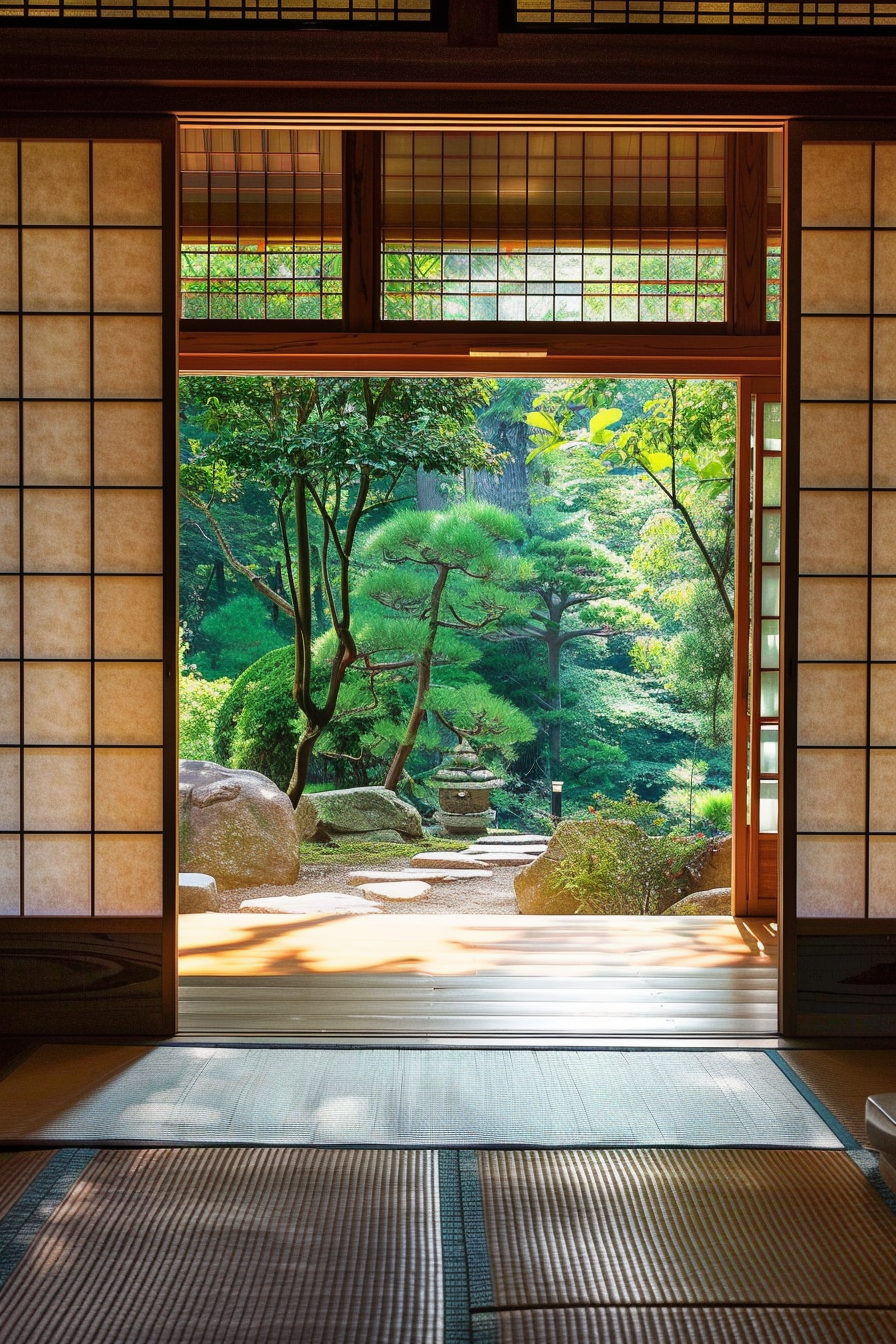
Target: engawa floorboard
[[420, 976]]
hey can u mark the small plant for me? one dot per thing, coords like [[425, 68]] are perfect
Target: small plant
[[614, 867], [714, 807], [641, 811]]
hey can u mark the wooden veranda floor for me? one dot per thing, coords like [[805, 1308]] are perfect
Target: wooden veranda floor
[[433, 977]]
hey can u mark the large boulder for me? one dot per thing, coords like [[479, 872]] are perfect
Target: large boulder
[[712, 869], [715, 901], [536, 892], [367, 813], [237, 826]]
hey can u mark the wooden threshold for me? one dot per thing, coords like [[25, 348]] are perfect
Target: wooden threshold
[[410, 353]]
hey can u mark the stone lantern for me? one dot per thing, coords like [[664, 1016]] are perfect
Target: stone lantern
[[464, 785]]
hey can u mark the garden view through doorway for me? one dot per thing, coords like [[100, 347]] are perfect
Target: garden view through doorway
[[427, 615]]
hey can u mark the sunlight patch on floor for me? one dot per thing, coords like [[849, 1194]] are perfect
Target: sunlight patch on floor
[[234, 945]]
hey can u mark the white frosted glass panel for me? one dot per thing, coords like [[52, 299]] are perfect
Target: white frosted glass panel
[[768, 750], [771, 427], [768, 807], [769, 644], [771, 590], [771, 537], [771, 482], [768, 695]]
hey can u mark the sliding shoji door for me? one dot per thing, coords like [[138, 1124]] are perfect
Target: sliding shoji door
[[88, 620], [839, 759]]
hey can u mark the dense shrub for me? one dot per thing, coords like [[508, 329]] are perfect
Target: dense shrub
[[256, 724], [259, 723], [615, 867]]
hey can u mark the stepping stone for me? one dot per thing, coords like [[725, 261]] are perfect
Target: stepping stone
[[396, 891], [505, 849], [317, 903], [196, 893], [448, 860], [362, 875], [516, 841], [505, 859]]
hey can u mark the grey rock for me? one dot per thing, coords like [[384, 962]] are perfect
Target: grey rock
[[455, 861], [236, 826], [516, 841], [336, 813], [535, 890], [713, 869], [396, 891], [500, 858], [713, 901], [382, 838], [316, 903], [360, 876], [196, 893]]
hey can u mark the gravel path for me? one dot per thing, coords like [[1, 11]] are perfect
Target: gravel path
[[473, 896]]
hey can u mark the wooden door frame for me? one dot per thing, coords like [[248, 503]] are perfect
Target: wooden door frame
[[745, 863], [753, 362]]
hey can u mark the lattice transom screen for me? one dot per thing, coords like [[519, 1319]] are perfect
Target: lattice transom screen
[[299, 11], [81, 688], [846, 712], [261, 224], [754, 13], [525, 226]]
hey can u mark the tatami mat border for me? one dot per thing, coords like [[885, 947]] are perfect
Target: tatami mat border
[[848, 1140], [38, 1204]]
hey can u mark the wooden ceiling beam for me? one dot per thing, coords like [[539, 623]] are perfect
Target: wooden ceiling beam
[[416, 353]]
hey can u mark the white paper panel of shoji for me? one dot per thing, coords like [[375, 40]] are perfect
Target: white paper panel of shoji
[[80, 528], [846, 755]]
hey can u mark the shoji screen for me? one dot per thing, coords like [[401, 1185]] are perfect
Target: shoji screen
[[87, 381], [840, 553]]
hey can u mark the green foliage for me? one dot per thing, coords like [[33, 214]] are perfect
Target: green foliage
[[714, 806], [327, 452], [236, 635], [200, 702], [491, 721], [617, 868], [641, 811], [584, 638], [255, 728], [258, 722]]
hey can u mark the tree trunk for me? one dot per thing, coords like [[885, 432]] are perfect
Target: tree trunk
[[424, 680], [554, 648], [429, 492], [304, 751], [509, 489]]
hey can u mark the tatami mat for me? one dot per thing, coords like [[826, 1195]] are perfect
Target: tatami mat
[[17, 1171], [689, 1325], [843, 1079], [96, 1095], [284, 1246], [663, 1227]]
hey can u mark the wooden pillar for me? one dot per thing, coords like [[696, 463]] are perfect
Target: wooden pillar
[[747, 233], [472, 23], [361, 230]]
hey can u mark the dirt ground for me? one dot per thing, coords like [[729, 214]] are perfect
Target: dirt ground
[[473, 896]]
